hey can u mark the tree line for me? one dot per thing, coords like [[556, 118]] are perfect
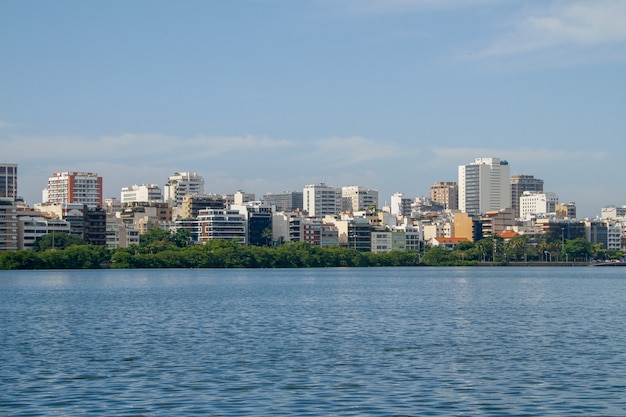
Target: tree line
[[163, 249]]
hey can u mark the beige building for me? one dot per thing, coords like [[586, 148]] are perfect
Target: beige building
[[356, 198], [446, 193]]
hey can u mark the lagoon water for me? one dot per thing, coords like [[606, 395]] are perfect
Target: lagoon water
[[376, 341]]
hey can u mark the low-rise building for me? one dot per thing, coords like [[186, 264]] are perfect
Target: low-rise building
[[192, 204], [286, 201], [258, 222], [141, 193], [221, 224], [447, 242], [537, 205], [120, 234], [357, 198], [287, 227], [386, 241], [32, 226]]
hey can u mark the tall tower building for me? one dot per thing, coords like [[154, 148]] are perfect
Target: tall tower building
[[446, 193], [181, 184], [74, 187], [484, 185], [320, 200], [8, 181], [521, 183]]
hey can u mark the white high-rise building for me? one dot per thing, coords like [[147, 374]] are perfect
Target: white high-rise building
[[74, 188], [141, 193], [181, 184], [537, 204], [355, 198], [320, 200], [484, 185]]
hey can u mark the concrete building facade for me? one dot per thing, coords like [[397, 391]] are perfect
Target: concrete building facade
[[74, 188], [355, 198], [484, 185], [400, 205], [141, 193], [445, 193], [319, 200], [8, 224], [534, 204], [221, 224], [8, 181], [521, 183], [32, 227], [286, 201], [180, 184]]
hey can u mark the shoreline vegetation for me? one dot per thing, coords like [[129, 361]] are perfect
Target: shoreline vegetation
[[162, 249]]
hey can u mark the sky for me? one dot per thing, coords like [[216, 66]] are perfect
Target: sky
[[271, 95]]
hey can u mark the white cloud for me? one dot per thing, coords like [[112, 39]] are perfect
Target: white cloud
[[580, 24], [356, 150], [136, 146], [518, 156]]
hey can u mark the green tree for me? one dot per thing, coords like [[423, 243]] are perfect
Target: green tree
[[180, 238], [57, 240], [516, 248], [437, 255], [579, 249]]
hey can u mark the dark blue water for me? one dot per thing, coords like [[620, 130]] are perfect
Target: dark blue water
[[392, 341]]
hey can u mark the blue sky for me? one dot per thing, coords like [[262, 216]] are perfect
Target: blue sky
[[271, 95]]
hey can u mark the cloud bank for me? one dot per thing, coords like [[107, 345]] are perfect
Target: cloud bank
[[571, 24], [262, 164]]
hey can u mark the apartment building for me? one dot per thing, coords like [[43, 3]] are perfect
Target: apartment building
[[86, 222], [400, 205], [285, 201], [141, 193], [484, 185], [120, 234], [258, 222], [32, 226], [192, 204], [8, 224], [320, 200], [383, 241], [74, 188], [8, 181], [520, 184], [241, 197], [537, 205], [287, 227], [357, 198], [180, 184], [221, 224], [445, 193]]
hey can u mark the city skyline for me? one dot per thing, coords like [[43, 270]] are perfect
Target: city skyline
[[270, 95]]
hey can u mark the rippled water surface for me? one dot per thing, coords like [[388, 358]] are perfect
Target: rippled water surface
[[390, 341]]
